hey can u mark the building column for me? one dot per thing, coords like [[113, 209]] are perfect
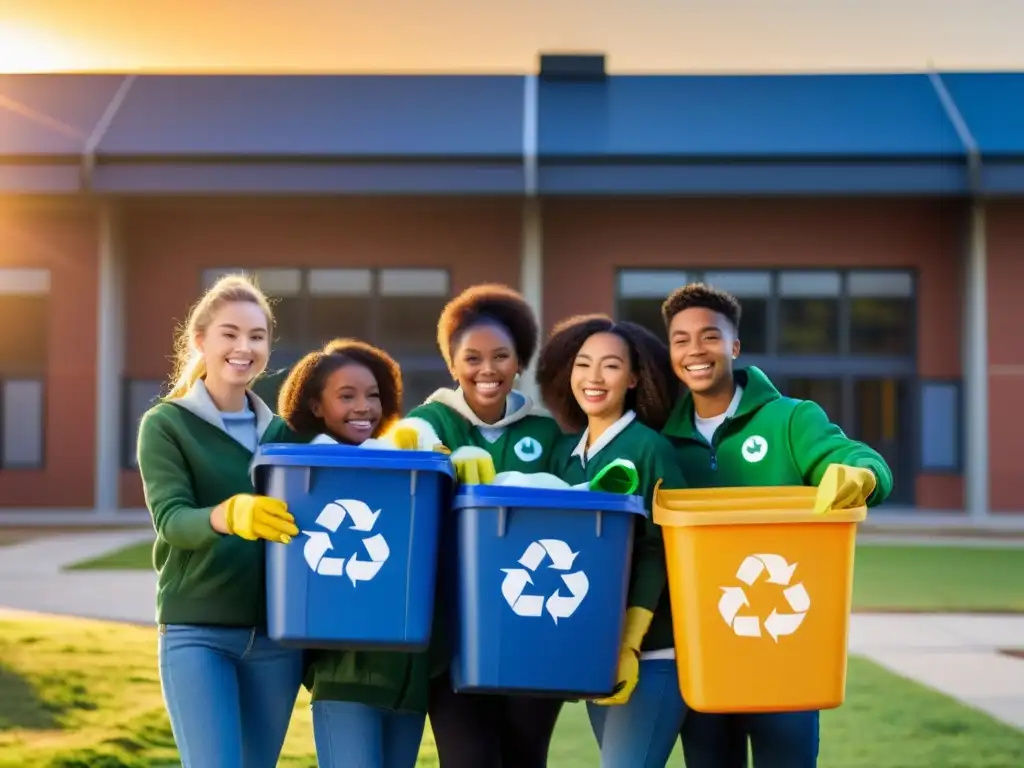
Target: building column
[[975, 367], [109, 364], [531, 277]]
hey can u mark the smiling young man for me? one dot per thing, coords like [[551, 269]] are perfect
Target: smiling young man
[[733, 428]]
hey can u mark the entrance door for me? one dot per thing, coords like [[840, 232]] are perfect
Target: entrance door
[[882, 418]]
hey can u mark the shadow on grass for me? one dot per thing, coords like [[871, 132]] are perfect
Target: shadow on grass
[[21, 706]]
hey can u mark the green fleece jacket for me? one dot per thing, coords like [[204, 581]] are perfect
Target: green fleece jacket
[[190, 464], [524, 440], [655, 460], [771, 440]]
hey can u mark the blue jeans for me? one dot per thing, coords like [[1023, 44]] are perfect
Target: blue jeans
[[229, 693], [778, 740], [352, 735], [642, 732]]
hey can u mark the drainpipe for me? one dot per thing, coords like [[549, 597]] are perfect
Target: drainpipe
[[110, 326], [974, 354], [531, 277]]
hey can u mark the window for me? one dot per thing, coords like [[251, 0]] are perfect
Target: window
[[940, 441], [140, 396], [809, 313], [24, 350], [395, 309], [881, 313], [794, 314]]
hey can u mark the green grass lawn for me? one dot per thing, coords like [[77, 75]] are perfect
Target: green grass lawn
[[910, 578], [85, 694]]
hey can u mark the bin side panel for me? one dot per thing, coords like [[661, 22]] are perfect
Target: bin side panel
[[724, 670], [378, 589], [554, 647]]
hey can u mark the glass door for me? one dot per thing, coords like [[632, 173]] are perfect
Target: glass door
[[882, 418]]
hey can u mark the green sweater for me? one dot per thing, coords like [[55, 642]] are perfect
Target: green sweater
[[522, 441], [655, 460], [190, 464], [771, 440]]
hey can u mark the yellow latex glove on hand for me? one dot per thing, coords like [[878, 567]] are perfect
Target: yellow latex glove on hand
[[638, 621], [259, 517], [844, 487], [408, 439], [473, 466]]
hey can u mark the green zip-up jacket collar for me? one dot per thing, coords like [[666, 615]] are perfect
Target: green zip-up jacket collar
[[771, 440]]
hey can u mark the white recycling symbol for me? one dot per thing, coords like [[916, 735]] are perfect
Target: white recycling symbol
[[559, 606], [319, 542], [777, 624]]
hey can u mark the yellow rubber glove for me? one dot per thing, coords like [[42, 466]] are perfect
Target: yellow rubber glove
[[473, 466], [844, 487], [404, 438], [638, 621], [259, 517]]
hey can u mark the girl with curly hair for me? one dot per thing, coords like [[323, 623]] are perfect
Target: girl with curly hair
[[611, 385], [487, 335], [369, 707]]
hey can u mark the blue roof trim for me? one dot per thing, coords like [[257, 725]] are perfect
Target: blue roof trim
[[52, 116], [300, 116], [762, 178], [39, 178], [710, 117], [427, 178], [992, 106], [455, 134]]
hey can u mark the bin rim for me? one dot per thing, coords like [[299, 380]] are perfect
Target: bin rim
[[337, 456], [477, 496], [671, 518]]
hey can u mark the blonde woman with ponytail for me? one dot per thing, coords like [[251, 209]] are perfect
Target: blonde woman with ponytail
[[228, 689]]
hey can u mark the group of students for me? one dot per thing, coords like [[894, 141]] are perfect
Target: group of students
[[613, 392]]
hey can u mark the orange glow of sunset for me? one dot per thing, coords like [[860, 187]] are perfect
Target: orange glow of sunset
[[27, 48], [417, 36]]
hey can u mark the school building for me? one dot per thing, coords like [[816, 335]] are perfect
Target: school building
[[872, 225]]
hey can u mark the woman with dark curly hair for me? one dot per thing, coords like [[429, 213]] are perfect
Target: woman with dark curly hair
[[487, 335], [369, 707], [612, 384], [349, 390]]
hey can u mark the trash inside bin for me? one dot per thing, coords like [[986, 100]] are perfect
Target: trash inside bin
[[761, 590], [361, 573], [541, 586]]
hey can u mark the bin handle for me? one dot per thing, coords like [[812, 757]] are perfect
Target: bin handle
[[502, 512], [598, 524]]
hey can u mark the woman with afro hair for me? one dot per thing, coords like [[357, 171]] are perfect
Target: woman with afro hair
[[487, 335], [369, 707], [611, 385]]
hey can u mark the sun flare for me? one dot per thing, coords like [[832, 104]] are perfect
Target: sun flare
[[27, 49]]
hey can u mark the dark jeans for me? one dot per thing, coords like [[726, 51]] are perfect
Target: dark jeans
[[484, 731], [777, 740]]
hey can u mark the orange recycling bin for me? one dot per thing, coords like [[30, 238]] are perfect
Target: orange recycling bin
[[761, 589]]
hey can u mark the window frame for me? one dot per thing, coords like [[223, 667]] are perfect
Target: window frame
[[960, 420], [44, 403]]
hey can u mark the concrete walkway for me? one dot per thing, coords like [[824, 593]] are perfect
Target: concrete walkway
[[955, 654]]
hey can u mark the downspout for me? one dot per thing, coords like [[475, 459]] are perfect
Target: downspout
[[110, 325], [974, 344]]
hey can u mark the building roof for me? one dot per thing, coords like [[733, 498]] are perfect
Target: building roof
[[463, 134]]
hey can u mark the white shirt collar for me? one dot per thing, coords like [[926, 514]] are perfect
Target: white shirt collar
[[609, 434]]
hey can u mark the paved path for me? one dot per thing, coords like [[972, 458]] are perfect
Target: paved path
[[955, 654]]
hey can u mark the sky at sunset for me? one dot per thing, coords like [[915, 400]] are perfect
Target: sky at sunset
[[492, 36]]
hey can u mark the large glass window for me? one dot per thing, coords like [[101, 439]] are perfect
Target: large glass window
[[845, 339], [24, 352], [809, 313]]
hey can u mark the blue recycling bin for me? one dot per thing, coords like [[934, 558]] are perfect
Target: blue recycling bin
[[362, 571], [540, 585]]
